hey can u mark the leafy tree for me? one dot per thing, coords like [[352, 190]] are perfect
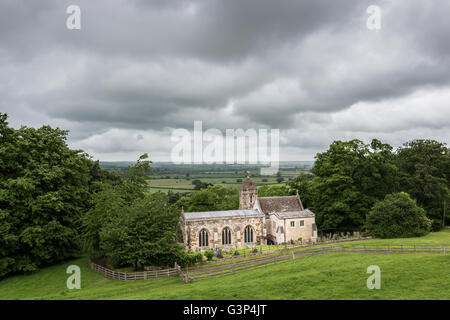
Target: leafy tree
[[279, 177], [212, 198], [424, 173], [303, 184], [397, 216], [110, 200], [348, 179], [44, 189], [274, 190], [200, 185], [143, 233]]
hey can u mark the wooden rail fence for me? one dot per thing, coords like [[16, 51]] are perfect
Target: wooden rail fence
[[214, 271], [128, 276], [204, 273], [280, 248]]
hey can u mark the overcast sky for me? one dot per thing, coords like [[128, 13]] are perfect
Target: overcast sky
[[139, 69]]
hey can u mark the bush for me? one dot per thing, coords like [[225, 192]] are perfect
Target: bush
[[186, 259], [397, 216], [209, 254]]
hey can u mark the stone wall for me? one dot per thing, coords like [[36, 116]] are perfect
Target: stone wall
[[292, 233], [214, 228]]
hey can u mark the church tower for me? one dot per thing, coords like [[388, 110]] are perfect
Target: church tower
[[248, 194]]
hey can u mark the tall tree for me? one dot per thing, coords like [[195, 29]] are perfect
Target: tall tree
[[348, 178], [110, 200], [44, 188], [424, 173], [143, 233]]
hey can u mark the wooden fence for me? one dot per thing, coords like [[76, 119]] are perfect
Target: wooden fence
[[131, 276], [285, 254], [203, 273], [281, 248]]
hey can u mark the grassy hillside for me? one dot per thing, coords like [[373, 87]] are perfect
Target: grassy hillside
[[332, 276]]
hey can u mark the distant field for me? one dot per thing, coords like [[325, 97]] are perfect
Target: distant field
[[331, 276], [184, 185]]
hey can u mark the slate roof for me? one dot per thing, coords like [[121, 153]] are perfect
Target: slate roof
[[295, 214], [207, 215], [280, 204]]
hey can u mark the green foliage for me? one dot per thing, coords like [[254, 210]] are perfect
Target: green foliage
[[274, 190], [348, 179], [131, 226], [109, 201], [143, 233], [397, 216], [424, 173], [200, 185], [209, 254], [188, 259], [212, 198], [44, 189]]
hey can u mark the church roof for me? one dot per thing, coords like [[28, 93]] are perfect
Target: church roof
[[248, 184], [207, 215], [295, 214], [280, 204]]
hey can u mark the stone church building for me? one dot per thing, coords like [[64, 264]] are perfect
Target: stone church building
[[259, 220]]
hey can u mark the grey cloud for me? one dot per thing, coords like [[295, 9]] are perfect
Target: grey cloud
[[153, 65]]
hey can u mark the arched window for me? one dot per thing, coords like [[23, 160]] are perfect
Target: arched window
[[226, 236], [248, 234], [203, 238]]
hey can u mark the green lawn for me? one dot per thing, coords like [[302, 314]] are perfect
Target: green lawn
[[331, 276]]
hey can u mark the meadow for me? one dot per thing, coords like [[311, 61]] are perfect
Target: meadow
[[185, 184], [331, 276]]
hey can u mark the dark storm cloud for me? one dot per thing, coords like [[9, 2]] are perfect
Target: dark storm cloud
[[153, 65]]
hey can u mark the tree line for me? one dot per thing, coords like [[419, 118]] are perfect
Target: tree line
[[351, 177]]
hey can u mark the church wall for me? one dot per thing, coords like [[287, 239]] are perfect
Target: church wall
[[305, 232], [215, 227], [292, 233]]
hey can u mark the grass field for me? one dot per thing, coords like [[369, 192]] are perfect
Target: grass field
[[185, 185], [331, 276]]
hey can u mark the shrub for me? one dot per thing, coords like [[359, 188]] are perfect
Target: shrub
[[209, 254], [189, 258], [397, 216]]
